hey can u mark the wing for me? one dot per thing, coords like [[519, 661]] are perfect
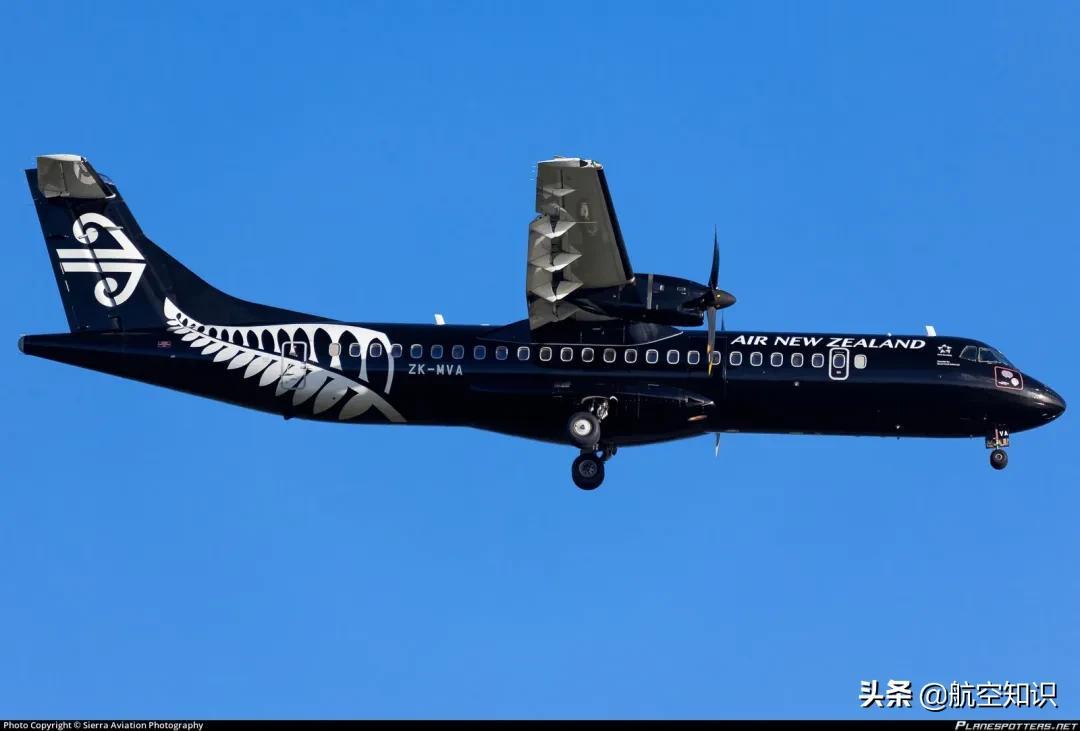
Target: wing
[[574, 242]]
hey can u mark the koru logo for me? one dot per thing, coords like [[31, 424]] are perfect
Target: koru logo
[[104, 261]]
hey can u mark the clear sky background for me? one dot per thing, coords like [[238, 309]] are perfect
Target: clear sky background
[[871, 167]]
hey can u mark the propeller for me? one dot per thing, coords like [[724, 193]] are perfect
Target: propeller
[[715, 299]]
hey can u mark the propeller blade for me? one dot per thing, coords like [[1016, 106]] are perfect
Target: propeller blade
[[710, 313], [716, 445], [714, 272]]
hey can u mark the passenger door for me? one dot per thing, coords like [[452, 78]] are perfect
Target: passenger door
[[839, 363], [294, 367]]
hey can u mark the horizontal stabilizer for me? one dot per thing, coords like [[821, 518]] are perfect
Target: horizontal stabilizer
[[68, 176]]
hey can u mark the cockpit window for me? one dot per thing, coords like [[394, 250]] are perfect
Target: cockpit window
[[984, 355], [989, 355]]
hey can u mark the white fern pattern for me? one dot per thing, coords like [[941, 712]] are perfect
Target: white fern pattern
[[305, 379]]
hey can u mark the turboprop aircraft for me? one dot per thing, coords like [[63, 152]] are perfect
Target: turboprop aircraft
[[600, 361]]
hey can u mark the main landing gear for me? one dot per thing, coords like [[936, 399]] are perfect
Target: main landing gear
[[587, 470], [583, 429], [997, 440]]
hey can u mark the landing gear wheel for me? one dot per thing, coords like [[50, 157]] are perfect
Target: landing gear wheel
[[587, 471], [584, 429], [999, 459]]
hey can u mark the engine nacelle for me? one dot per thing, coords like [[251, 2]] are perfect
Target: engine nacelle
[[655, 298]]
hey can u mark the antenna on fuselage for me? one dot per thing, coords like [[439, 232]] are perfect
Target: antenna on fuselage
[[930, 331]]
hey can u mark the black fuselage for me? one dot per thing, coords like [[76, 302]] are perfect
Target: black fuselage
[[658, 389]]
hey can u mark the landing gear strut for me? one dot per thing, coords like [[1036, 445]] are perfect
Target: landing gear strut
[[997, 440]]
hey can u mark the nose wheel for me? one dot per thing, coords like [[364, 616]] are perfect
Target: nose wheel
[[997, 440], [999, 459]]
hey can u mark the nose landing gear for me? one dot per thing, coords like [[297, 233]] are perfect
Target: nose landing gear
[[999, 459], [997, 440]]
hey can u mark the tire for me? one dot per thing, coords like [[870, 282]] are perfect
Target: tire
[[999, 459], [584, 429], [587, 471]]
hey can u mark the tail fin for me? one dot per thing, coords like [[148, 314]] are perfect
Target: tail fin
[[110, 275]]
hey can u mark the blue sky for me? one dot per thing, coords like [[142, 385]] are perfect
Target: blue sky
[[871, 167]]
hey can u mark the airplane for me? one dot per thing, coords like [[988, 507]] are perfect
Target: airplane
[[601, 361]]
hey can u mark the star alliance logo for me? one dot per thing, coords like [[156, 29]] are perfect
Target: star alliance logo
[[944, 350], [104, 261]]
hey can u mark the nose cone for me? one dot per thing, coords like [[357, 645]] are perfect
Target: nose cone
[[1047, 401], [1054, 403]]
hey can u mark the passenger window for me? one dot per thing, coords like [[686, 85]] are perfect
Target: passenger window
[[859, 361], [395, 350], [501, 352], [630, 356], [970, 352], [436, 351], [375, 350], [416, 351], [651, 356], [735, 358], [479, 352], [797, 360], [673, 357], [609, 355], [817, 360], [755, 358], [545, 354], [776, 360], [354, 350], [457, 352], [693, 357], [566, 354], [714, 357], [523, 352], [587, 355], [335, 350]]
